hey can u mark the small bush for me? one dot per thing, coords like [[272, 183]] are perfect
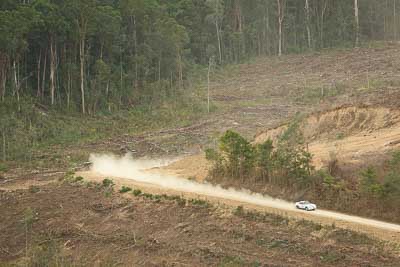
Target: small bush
[[125, 189], [238, 211], [147, 195], [181, 202], [137, 192], [108, 183], [199, 202], [34, 189], [78, 179]]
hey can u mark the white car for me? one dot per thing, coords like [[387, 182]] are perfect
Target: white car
[[305, 205]]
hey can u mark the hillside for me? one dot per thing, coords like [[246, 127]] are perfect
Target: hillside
[[349, 99]]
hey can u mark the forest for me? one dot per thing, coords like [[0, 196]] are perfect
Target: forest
[[107, 55], [81, 58]]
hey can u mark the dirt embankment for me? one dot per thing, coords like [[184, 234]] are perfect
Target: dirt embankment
[[352, 135], [77, 225]]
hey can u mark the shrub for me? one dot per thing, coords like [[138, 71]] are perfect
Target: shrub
[[108, 183], [369, 183], [136, 192], [78, 179], [238, 211], [125, 189], [34, 189], [199, 202]]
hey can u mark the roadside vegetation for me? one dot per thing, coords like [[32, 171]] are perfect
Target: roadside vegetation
[[286, 171]]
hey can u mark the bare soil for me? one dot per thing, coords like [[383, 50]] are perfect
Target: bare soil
[[350, 135], [87, 228]]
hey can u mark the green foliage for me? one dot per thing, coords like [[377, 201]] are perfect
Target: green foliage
[[34, 189], [199, 202], [387, 186], [29, 217], [391, 185], [287, 165], [108, 183], [3, 167], [78, 179], [125, 189], [291, 157], [137, 192], [263, 159], [231, 261], [238, 154], [369, 183]]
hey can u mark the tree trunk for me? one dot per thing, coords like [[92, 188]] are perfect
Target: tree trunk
[[136, 53], [68, 88], [219, 40], [52, 69], [180, 69], [322, 22], [38, 73], [307, 7], [16, 83], [394, 21], [44, 74], [3, 83], [4, 146], [82, 65], [208, 84], [280, 22], [3, 75], [357, 23]]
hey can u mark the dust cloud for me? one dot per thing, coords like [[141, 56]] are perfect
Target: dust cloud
[[142, 170]]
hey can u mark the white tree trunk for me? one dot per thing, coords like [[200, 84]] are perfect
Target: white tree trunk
[[307, 7], [357, 22], [208, 84], [52, 70], [394, 20], [280, 22], [219, 40], [82, 63]]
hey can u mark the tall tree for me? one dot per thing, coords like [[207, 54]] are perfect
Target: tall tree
[[82, 13], [357, 22], [307, 9], [281, 17]]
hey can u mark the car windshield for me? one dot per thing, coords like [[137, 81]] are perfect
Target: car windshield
[[306, 202]]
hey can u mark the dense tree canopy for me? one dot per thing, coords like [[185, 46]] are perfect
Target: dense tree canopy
[[92, 55]]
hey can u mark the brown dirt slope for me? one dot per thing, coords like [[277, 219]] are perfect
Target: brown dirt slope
[[349, 134], [76, 224]]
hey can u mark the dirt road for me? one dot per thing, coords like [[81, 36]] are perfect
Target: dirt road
[[143, 174]]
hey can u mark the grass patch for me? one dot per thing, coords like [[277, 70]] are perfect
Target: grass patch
[[351, 237], [232, 261], [331, 257], [310, 225], [261, 217], [3, 167]]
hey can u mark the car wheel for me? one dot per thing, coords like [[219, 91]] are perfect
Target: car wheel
[[306, 208]]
